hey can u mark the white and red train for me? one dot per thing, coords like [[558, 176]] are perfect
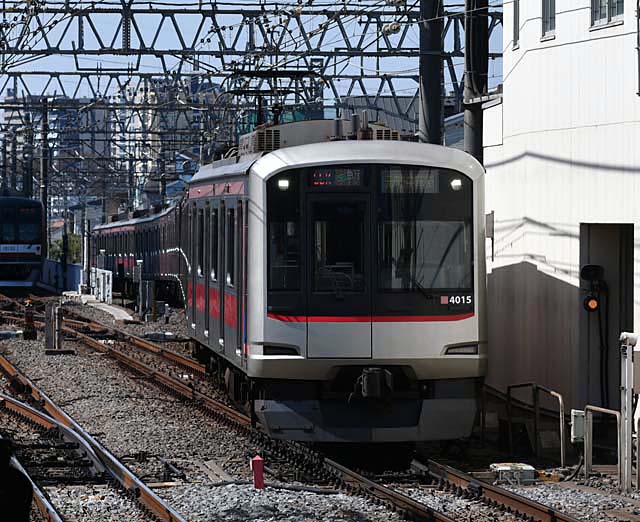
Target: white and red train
[[338, 286]]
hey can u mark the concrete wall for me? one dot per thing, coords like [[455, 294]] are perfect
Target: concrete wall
[[562, 149]]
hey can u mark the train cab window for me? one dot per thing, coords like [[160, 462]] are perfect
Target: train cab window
[[230, 247], [7, 225], [214, 245], [28, 221], [424, 230], [338, 245], [283, 232]]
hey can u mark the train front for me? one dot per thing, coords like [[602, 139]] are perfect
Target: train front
[[21, 236], [367, 315]]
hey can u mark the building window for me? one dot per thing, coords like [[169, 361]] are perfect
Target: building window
[[548, 17], [604, 11], [516, 23]]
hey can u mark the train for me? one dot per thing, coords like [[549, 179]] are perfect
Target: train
[[21, 241], [333, 278]]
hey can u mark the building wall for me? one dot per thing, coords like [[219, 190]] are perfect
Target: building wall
[[562, 149]]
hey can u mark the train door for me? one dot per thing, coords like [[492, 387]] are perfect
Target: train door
[[193, 269], [222, 269], [215, 277], [231, 297], [200, 273], [338, 276], [207, 264]]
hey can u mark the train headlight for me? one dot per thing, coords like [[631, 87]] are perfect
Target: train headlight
[[456, 184], [467, 349], [283, 184]]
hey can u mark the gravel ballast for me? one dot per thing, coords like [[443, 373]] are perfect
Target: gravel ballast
[[93, 503], [141, 425], [584, 503], [236, 503]]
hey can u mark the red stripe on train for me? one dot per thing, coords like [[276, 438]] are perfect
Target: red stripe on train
[[368, 318]]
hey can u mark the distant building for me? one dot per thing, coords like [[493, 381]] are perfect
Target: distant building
[[563, 165], [161, 143]]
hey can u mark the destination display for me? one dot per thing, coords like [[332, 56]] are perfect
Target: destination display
[[336, 177], [409, 181]]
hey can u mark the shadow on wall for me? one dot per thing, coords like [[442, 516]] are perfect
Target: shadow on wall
[[533, 330]]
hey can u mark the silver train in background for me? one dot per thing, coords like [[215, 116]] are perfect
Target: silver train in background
[[336, 286]]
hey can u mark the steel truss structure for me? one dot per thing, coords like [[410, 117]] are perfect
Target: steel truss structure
[[169, 76]]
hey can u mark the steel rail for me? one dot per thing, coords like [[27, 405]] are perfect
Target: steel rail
[[408, 507], [145, 345], [350, 480], [494, 494], [175, 385], [145, 496], [46, 509]]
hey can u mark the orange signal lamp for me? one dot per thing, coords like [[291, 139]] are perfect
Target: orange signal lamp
[[591, 303]]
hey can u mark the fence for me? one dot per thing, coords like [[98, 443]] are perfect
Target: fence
[[52, 275]]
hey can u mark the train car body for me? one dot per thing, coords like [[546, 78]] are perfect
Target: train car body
[[338, 288], [344, 283], [149, 241], [21, 241]]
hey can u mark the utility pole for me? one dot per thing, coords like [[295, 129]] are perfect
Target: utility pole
[[476, 64], [44, 172], [27, 154], [131, 191], [65, 242], [3, 173], [431, 30], [14, 162]]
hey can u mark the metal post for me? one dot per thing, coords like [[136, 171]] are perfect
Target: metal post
[[3, 172], [638, 456], [626, 409], [44, 172], [588, 438], [509, 421], [65, 244], [14, 163], [431, 29], [563, 452], [476, 63], [536, 420], [536, 389], [27, 154]]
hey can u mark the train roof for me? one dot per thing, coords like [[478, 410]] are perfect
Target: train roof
[[135, 221], [368, 151], [340, 152], [235, 166], [19, 201]]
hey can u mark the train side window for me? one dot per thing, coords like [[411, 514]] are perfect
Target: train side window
[[214, 245], [231, 247]]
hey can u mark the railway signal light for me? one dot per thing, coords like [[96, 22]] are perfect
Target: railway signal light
[[591, 303]]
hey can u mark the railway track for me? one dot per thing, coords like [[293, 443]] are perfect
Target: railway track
[[323, 469], [463, 484], [55, 417]]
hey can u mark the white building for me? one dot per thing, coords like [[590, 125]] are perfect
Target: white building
[[563, 178]]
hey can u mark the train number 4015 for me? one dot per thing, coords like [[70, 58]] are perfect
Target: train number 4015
[[459, 299]]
